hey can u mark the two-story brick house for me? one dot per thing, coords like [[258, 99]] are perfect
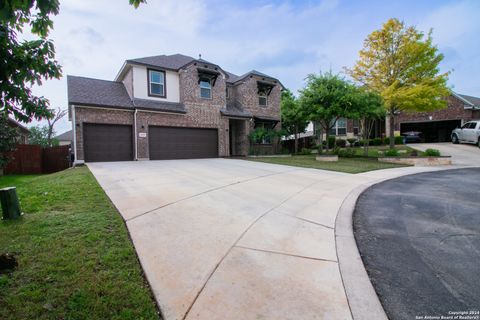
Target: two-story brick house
[[170, 107]]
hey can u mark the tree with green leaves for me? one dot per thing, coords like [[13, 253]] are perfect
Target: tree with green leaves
[[369, 107], [402, 65], [8, 140], [325, 99], [39, 135], [294, 120], [25, 63]]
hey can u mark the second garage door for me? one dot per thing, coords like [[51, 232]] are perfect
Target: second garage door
[[107, 142], [182, 143]]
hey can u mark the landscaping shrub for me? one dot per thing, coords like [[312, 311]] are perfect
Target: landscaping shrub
[[398, 140], [432, 153], [352, 141], [346, 153], [304, 152], [391, 153], [342, 143], [375, 142], [414, 153], [331, 142]]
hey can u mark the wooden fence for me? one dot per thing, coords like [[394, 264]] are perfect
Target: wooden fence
[[33, 159]]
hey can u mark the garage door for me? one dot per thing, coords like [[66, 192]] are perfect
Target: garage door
[[433, 131], [106, 142], [182, 143]]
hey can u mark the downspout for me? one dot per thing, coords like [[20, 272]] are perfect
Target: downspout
[[136, 134], [74, 135]]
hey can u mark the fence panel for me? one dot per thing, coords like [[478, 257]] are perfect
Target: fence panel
[[56, 159]]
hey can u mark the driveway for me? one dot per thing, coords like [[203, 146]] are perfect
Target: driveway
[[234, 239], [462, 154], [419, 238]]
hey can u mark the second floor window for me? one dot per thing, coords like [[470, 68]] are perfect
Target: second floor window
[[156, 83], [263, 99], [205, 88]]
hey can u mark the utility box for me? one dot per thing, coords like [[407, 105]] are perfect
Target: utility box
[[10, 205]]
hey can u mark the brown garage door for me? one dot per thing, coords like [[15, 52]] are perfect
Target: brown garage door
[[182, 143], [107, 142]]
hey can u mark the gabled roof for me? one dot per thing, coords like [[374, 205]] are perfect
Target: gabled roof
[[111, 94], [66, 136], [172, 62], [95, 92], [473, 100]]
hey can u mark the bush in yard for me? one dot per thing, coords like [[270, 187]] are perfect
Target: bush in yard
[[352, 141], [304, 152], [398, 140], [376, 142], [346, 153], [432, 153], [342, 143], [391, 153], [331, 142]]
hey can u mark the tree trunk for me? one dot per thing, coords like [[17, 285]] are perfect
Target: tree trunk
[[365, 137], [392, 129], [10, 205], [320, 139], [296, 139]]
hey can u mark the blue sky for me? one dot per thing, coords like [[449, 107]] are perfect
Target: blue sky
[[287, 39]]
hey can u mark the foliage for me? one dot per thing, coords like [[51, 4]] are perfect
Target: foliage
[[39, 135], [76, 260], [262, 134], [57, 115], [402, 65], [8, 140], [326, 98], [376, 142], [349, 165], [342, 143], [352, 141], [391, 153], [294, 121], [346, 153], [304, 151], [397, 139], [25, 63], [432, 153]]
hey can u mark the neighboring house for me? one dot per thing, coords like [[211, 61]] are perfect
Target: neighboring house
[[436, 126], [171, 107], [23, 131], [65, 139]]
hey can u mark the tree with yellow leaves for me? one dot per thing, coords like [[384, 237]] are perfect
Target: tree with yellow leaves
[[402, 65]]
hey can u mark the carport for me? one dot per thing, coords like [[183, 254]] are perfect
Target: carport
[[433, 131]]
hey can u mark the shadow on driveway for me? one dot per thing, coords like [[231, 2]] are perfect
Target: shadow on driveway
[[419, 239]]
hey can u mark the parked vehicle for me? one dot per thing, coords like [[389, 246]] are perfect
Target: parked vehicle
[[468, 133], [413, 136]]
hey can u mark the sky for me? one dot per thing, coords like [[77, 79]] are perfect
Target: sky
[[285, 39]]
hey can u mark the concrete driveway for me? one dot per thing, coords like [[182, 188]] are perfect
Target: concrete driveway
[[462, 154], [234, 239]]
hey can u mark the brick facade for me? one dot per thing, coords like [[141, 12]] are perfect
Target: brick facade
[[200, 112]]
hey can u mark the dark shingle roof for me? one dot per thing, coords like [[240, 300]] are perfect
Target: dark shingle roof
[[159, 106], [173, 62], [235, 110], [474, 100], [66, 136], [95, 92]]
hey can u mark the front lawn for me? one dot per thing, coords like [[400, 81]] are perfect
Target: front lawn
[[348, 165], [75, 258]]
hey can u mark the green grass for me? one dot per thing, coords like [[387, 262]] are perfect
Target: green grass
[[378, 151], [349, 165], [75, 258]]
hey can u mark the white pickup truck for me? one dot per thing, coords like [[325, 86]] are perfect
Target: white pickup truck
[[468, 133]]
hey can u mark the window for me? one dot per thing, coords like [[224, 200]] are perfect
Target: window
[[356, 127], [227, 92], [156, 83], [340, 127], [262, 98], [469, 125], [205, 88]]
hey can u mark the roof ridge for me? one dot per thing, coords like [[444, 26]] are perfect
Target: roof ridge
[[89, 78]]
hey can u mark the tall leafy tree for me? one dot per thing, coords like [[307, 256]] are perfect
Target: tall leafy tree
[[294, 120], [326, 98], [402, 65], [39, 135], [26, 63], [8, 140]]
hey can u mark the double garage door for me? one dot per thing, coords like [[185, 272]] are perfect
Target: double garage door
[[433, 131], [105, 142]]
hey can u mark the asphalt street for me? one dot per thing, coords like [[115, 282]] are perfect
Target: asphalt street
[[419, 239]]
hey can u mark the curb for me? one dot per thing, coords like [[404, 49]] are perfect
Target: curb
[[362, 298]]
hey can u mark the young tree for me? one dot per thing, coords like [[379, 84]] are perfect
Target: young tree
[[57, 115], [26, 63], [368, 108], [294, 121], [8, 140], [402, 65], [39, 135], [325, 99]]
